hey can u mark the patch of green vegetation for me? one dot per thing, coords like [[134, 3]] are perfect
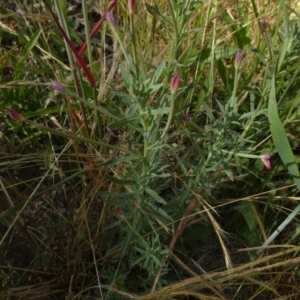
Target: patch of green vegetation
[[151, 155]]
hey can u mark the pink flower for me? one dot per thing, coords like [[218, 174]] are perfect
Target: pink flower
[[174, 83], [15, 115], [265, 159], [131, 6]]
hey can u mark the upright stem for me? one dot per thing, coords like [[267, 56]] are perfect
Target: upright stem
[[133, 38]]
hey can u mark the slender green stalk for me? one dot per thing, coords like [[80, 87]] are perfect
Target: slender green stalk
[[87, 35], [116, 34], [233, 99], [131, 20], [76, 138]]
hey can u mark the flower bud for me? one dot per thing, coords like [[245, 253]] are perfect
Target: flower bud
[[58, 87], [131, 6], [186, 118], [263, 24], [265, 159], [174, 83], [15, 115], [111, 19], [238, 59], [120, 214]]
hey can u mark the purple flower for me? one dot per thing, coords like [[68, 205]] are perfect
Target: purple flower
[[58, 87], [263, 24], [131, 6], [186, 118], [238, 59], [174, 83], [15, 115], [265, 159], [111, 19]]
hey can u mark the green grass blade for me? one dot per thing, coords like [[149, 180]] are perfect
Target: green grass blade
[[28, 47], [280, 138]]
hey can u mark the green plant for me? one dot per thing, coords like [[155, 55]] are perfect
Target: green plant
[[172, 147]]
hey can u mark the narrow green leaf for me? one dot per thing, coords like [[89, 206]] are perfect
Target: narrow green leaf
[[27, 49], [245, 208], [124, 121], [120, 181], [126, 77], [158, 72], [157, 261], [116, 161], [155, 87], [50, 111], [154, 12], [155, 196]]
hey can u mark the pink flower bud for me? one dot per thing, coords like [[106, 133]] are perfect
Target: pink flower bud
[[265, 159], [238, 59], [58, 87], [111, 19], [15, 115], [131, 6], [174, 83], [263, 24], [120, 214], [186, 118]]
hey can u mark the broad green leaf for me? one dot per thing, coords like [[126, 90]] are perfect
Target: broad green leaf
[[280, 138], [245, 208]]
